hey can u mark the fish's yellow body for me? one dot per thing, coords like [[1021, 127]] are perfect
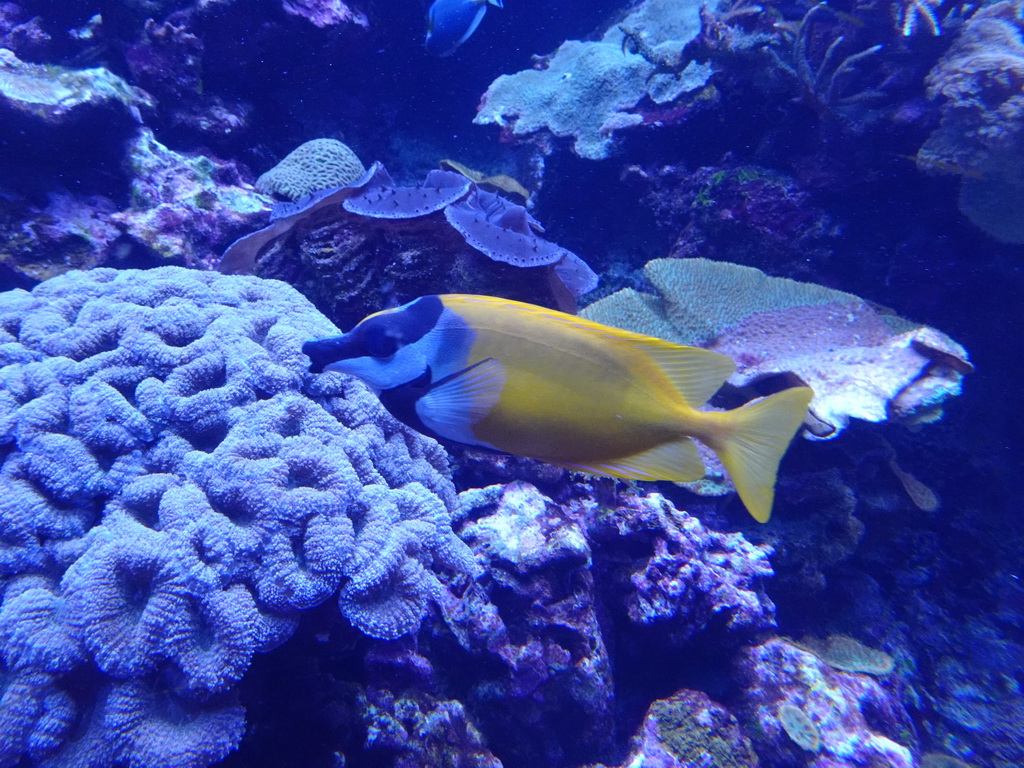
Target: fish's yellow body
[[574, 391], [551, 386]]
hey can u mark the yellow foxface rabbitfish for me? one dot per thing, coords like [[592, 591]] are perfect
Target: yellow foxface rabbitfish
[[534, 382], [450, 23]]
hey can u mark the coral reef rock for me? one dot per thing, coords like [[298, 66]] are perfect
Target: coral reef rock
[[185, 207], [800, 710], [982, 128], [57, 95], [688, 729]]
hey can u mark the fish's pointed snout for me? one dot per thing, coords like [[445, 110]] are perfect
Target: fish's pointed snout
[[324, 352]]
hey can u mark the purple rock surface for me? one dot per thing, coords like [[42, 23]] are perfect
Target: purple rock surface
[[847, 718]]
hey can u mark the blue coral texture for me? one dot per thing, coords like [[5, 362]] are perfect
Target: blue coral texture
[[176, 489]]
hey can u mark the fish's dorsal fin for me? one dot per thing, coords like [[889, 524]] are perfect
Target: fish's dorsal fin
[[678, 461], [695, 373], [458, 401]]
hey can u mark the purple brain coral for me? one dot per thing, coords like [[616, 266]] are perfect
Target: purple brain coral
[[175, 489]]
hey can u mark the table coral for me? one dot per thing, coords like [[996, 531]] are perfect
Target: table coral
[[860, 363], [588, 90], [175, 491]]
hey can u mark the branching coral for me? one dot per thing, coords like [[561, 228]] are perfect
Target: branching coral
[[912, 15], [825, 76]]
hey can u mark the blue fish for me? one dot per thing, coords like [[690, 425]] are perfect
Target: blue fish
[[451, 22]]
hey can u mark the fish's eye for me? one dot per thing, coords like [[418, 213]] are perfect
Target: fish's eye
[[380, 341]]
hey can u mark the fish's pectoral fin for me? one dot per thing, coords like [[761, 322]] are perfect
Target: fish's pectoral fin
[[678, 462], [496, 3], [458, 401]]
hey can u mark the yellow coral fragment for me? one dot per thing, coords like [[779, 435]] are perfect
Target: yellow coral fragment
[[847, 654], [799, 727]]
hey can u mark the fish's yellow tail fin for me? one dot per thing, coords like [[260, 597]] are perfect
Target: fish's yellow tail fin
[[755, 438]]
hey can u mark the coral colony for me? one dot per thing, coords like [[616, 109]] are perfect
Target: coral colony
[[210, 556]]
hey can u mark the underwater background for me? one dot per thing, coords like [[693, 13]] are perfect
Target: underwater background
[[209, 556]]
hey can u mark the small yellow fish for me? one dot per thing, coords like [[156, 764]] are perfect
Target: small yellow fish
[[534, 382]]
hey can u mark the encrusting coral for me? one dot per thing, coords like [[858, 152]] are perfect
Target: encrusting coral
[[860, 363], [175, 490], [799, 727], [848, 654]]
